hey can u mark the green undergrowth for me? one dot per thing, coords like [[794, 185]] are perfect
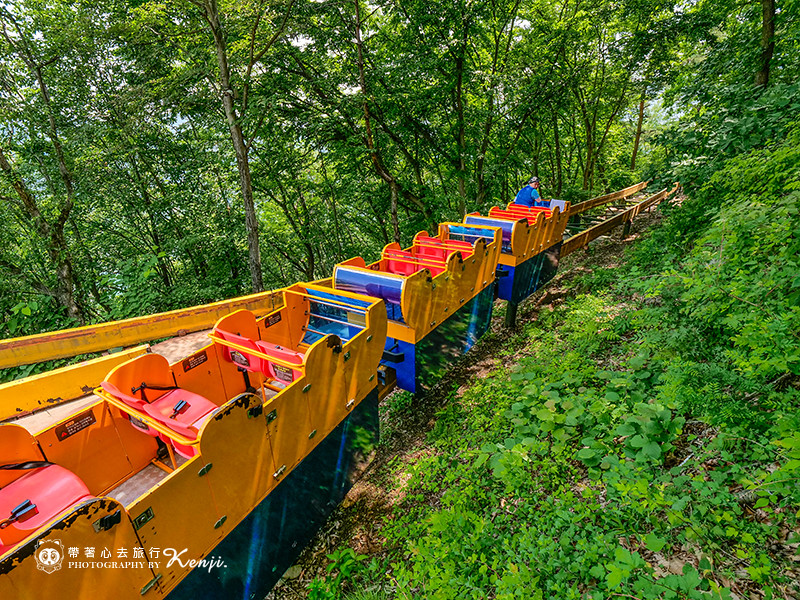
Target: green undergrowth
[[646, 443]]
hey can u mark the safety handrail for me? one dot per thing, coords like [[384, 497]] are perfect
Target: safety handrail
[[341, 293], [371, 271], [478, 215], [313, 298], [257, 353], [150, 421], [333, 303], [532, 218], [529, 210], [437, 243], [433, 262]]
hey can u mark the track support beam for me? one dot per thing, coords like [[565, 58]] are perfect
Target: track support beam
[[511, 315]]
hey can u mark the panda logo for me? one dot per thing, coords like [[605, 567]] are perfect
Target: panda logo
[[49, 555]]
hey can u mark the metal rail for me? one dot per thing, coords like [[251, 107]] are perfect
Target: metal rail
[[115, 334], [582, 207], [582, 239]]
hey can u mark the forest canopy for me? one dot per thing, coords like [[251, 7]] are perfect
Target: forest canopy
[[160, 154]]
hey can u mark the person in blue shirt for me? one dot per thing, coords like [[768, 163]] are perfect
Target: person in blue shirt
[[529, 195]]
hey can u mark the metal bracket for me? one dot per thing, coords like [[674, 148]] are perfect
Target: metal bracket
[[347, 356], [255, 411], [350, 403], [277, 474], [143, 518], [107, 522], [395, 357], [150, 585], [272, 416]]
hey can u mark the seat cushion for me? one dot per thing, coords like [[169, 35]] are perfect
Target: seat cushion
[[52, 489], [196, 408]]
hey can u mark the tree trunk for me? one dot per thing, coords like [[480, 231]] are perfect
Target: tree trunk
[[638, 133], [767, 41], [559, 168], [460, 118], [57, 247], [588, 168], [55, 243], [395, 223], [239, 146]]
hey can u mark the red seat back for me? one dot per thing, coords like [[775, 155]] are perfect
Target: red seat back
[[51, 489], [277, 371], [248, 362]]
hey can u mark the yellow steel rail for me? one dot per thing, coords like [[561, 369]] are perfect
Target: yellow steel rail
[[582, 239], [577, 209], [60, 385], [116, 334]]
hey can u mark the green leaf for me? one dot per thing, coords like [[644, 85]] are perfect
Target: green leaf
[[625, 429], [614, 577], [637, 441], [652, 449], [654, 543]]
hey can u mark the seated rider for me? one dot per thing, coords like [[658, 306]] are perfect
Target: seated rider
[[529, 195]]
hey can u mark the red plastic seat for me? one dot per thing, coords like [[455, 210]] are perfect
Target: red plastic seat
[[402, 263], [442, 249], [50, 489], [253, 363], [448, 243], [180, 410], [280, 372], [515, 215], [525, 210]]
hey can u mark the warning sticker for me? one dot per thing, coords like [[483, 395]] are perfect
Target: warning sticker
[[74, 425], [283, 373], [239, 358], [272, 319], [194, 361]]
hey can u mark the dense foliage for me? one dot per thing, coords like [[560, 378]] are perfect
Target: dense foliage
[[160, 154], [646, 445]]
